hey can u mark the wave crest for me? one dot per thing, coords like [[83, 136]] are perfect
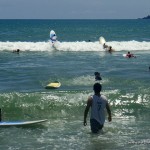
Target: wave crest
[[73, 46]]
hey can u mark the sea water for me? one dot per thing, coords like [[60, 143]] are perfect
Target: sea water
[[73, 61]]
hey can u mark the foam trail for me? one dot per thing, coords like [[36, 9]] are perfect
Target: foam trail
[[73, 46]]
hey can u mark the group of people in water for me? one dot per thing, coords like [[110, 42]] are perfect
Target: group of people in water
[[110, 50]]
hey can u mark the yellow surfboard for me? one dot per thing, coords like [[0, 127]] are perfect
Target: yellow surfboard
[[53, 85]]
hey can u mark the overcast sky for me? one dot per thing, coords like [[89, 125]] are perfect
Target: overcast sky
[[74, 9]]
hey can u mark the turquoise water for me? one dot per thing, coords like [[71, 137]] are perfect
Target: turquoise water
[[125, 82]]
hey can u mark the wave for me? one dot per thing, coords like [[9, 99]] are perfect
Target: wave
[[73, 46]]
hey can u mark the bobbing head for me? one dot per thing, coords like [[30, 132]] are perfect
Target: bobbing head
[[97, 87]]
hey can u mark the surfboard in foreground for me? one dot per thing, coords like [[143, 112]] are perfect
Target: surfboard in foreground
[[102, 40], [53, 85], [21, 123]]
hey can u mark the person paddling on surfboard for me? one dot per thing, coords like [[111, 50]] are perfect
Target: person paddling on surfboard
[[129, 55]]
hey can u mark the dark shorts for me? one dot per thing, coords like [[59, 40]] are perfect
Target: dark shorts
[[95, 125]]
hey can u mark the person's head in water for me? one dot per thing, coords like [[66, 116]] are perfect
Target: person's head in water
[[97, 76], [97, 87], [96, 73]]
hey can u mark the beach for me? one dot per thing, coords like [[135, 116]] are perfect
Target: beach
[[73, 61]]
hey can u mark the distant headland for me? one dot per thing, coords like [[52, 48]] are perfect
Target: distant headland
[[148, 17]]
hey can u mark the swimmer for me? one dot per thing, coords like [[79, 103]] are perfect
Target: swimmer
[[16, 51], [97, 76]]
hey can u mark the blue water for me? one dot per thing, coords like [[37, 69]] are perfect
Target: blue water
[[73, 61]]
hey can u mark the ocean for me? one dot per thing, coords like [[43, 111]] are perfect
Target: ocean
[[73, 61]]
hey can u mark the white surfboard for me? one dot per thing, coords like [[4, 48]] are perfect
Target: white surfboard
[[53, 37], [21, 123], [53, 85], [102, 40], [124, 55]]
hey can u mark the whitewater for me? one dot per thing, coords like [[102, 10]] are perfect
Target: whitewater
[[77, 46]]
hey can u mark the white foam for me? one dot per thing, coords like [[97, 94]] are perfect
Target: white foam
[[73, 46]]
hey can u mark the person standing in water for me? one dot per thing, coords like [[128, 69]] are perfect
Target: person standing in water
[[98, 103]]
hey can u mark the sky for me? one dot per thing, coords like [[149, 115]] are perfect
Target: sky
[[74, 9]]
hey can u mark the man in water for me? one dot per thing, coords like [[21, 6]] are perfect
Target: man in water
[[97, 76], [129, 55], [110, 49], [105, 46], [16, 51], [98, 104]]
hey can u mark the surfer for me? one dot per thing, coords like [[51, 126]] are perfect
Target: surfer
[[129, 55], [97, 76], [98, 103], [16, 51]]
